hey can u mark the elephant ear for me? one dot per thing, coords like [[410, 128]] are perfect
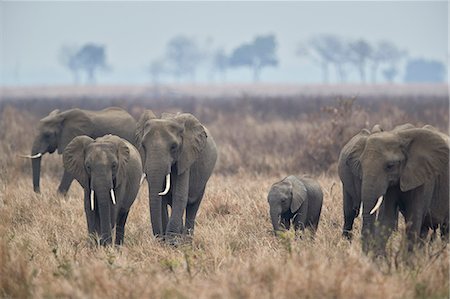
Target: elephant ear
[[141, 126], [74, 122], [194, 140], [73, 158], [427, 156], [356, 146], [299, 194]]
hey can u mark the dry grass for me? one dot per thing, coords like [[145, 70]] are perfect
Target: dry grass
[[45, 253]]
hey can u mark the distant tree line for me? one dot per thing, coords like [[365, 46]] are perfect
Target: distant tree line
[[183, 56]]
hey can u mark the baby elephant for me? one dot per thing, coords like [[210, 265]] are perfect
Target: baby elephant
[[109, 169], [296, 198]]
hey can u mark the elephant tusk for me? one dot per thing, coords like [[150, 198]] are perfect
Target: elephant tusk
[[360, 210], [377, 206], [167, 186], [31, 157], [113, 196], [142, 179], [92, 200]]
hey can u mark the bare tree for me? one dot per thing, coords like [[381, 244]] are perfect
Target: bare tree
[[386, 53], [360, 52], [326, 50], [156, 69], [256, 55], [183, 56], [90, 58], [220, 62]]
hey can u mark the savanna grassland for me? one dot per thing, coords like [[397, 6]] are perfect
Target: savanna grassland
[[262, 137]]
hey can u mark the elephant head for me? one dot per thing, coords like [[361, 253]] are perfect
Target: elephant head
[[286, 195], [407, 158], [55, 131], [99, 166], [169, 146]]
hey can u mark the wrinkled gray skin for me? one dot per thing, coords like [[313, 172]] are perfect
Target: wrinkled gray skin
[[351, 183], [56, 130], [409, 168], [105, 163], [297, 199], [182, 146]]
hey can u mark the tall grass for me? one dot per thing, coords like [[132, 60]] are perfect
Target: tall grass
[[45, 253]]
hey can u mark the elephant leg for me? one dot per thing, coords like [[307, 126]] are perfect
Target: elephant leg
[[66, 181], [444, 227], [424, 230], [164, 213], [349, 215], [191, 213], [120, 227], [301, 216], [414, 213]]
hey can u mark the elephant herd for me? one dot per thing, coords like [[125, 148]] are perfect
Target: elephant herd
[[383, 173]]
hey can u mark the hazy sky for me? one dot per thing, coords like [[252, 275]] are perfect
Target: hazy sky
[[135, 33]]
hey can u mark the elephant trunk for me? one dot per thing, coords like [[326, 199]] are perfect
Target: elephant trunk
[[104, 211], [275, 217], [36, 167], [155, 185], [371, 190]]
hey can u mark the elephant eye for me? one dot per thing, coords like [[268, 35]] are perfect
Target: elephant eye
[[88, 167], [114, 165], [391, 165], [173, 147]]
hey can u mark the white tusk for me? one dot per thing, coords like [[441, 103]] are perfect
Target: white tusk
[[142, 178], [92, 200], [360, 210], [32, 157], [167, 186], [113, 197], [377, 206]]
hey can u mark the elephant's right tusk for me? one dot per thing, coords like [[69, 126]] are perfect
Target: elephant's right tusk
[[113, 196], [377, 206], [92, 200], [167, 186], [142, 178], [360, 210], [31, 157]]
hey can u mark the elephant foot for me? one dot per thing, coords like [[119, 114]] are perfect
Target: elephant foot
[[176, 240], [347, 234]]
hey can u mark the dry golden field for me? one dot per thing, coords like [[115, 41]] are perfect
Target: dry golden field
[[44, 248]]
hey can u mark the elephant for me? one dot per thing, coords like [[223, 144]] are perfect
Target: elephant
[[58, 128], [295, 198], [351, 183], [404, 170], [109, 169], [178, 156]]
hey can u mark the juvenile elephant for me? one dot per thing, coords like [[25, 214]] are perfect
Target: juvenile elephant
[[300, 199], [178, 154], [109, 169], [58, 128], [404, 170]]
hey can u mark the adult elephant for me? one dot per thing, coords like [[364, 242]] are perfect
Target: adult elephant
[[351, 183], [178, 154], [59, 128], [403, 170], [109, 169]]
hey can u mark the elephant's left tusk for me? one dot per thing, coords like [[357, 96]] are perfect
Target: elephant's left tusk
[[113, 196], [377, 206], [167, 186], [92, 200], [142, 179], [31, 157]]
